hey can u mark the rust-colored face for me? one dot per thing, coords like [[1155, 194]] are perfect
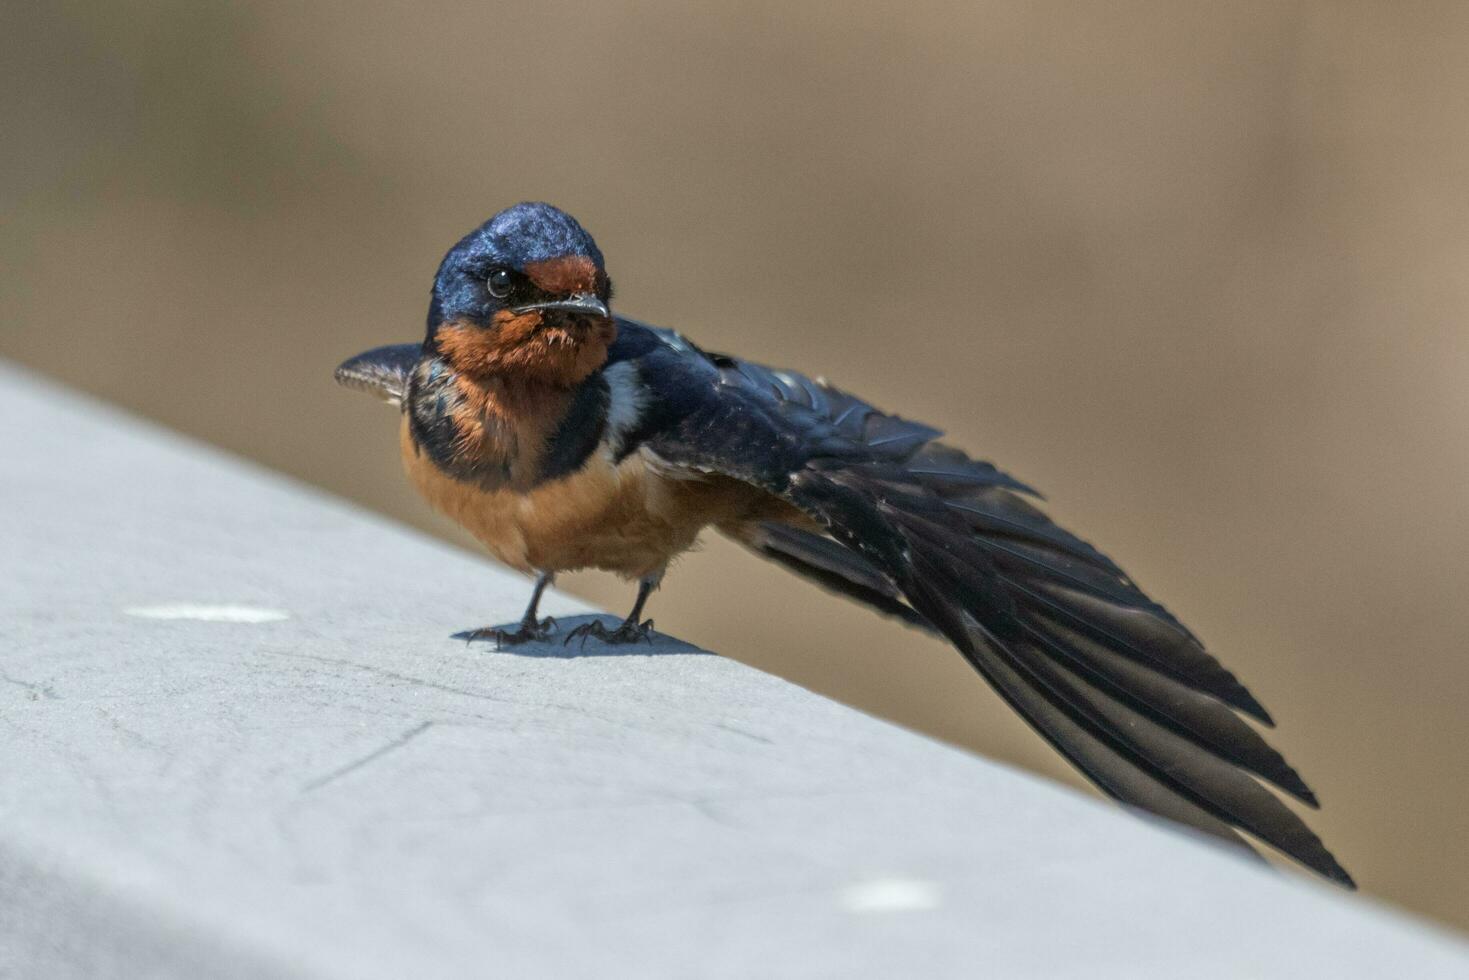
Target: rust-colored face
[[523, 300], [540, 322], [536, 346], [566, 275]]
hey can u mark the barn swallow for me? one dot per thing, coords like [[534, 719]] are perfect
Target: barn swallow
[[563, 436]]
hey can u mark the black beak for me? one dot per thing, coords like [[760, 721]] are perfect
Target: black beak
[[584, 303]]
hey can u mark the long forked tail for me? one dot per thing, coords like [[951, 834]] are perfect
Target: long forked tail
[[1109, 677]]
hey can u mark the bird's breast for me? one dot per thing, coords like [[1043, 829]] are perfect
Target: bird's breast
[[630, 516]]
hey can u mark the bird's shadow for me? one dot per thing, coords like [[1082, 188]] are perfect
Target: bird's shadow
[[557, 647]]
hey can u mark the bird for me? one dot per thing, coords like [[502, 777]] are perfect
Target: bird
[[563, 436]]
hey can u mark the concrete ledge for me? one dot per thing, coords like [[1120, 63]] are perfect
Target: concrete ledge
[[238, 741]]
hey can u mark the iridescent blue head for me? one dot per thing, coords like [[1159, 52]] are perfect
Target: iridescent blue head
[[524, 295], [507, 255]]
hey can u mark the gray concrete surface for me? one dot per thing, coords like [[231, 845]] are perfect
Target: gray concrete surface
[[238, 742]]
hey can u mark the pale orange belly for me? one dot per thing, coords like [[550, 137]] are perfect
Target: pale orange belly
[[628, 518]]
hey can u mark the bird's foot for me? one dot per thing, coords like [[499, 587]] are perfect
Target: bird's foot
[[628, 632], [530, 631]]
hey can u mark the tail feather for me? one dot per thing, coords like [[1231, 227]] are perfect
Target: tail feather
[[1213, 783], [1046, 566], [1101, 671], [1135, 633], [918, 530], [807, 555], [1194, 715], [1115, 771], [940, 587]]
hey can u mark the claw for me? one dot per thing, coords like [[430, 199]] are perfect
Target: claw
[[530, 631], [628, 632]]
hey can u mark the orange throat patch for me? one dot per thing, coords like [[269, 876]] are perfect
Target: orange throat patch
[[524, 347]]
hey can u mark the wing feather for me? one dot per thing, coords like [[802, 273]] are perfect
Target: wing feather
[[382, 371], [916, 529]]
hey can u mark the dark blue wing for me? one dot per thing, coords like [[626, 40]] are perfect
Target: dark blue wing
[[383, 371], [918, 530]]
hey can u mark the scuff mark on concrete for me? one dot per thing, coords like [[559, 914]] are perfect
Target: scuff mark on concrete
[[371, 757], [37, 690]]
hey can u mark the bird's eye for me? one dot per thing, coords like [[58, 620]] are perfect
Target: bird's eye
[[499, 283]]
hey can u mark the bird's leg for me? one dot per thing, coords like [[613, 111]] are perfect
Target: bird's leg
[[531, 629], [630, 630]]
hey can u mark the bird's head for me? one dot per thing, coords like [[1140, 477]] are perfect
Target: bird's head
[[524, 297]]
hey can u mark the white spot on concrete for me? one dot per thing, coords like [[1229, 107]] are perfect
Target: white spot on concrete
[[208, 613], [891, 895]]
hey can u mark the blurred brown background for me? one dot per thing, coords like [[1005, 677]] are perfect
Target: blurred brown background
[[1198, 274]]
